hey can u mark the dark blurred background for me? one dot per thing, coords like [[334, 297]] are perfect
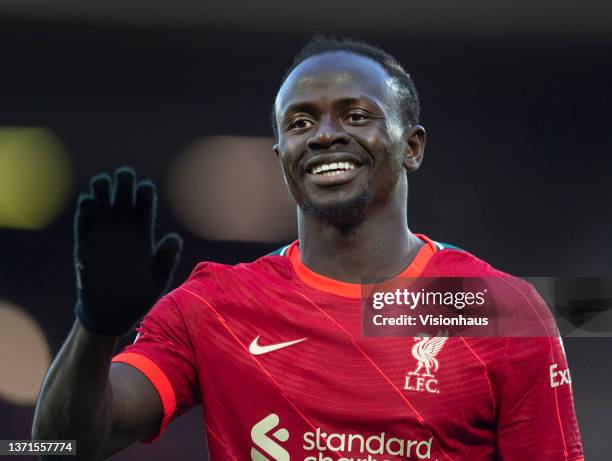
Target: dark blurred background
[[516, 100]]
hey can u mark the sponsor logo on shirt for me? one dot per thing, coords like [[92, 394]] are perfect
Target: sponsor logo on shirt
[[560, 377], [374, 447], [425, 350], [319, 444], [269, 442]]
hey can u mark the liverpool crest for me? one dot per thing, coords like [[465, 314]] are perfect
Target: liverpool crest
[[425, 350]]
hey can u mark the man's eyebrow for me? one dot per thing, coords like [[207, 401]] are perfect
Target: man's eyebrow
[[357, 100], [360, 100], [305, 106], [300, 106]]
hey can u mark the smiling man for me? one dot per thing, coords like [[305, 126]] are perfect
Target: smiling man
[[347, 135], [273, 349]]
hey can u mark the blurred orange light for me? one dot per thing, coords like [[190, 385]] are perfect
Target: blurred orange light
[[232, 188], [24, 355]]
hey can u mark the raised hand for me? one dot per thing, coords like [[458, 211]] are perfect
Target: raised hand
[[121, 270]]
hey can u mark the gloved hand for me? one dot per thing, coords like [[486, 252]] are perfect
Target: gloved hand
[[121, 271]]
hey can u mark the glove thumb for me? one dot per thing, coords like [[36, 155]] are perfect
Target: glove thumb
[[165, 260]]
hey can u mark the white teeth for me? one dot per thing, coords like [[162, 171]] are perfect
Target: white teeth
[[334, 167]]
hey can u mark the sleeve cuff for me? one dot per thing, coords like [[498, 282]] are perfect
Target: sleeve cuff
[[159, 380]]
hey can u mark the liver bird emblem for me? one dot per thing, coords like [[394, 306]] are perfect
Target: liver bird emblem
[[425, 351]]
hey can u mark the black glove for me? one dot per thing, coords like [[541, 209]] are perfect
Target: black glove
[[121, 272]]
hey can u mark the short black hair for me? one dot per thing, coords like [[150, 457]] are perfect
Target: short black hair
[[320, 44]]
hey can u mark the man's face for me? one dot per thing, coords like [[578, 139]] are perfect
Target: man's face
[[341, 139]]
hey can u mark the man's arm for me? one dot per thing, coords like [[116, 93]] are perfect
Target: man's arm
[[104, 408], [536, 408], [121, 272]]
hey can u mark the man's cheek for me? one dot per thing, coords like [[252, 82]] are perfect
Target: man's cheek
[[292, 176], [374, 140]]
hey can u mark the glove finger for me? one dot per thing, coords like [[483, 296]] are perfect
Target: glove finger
[[165, 260], [146, 204], [123, 193], [84, 222], [100, 190]]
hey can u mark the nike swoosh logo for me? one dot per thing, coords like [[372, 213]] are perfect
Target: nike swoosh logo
[[256, 349]]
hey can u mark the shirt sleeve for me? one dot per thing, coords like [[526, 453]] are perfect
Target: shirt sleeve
[[163, 352], [536, 412]]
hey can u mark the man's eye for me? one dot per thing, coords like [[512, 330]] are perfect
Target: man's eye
[[299, 123], [356, 117]]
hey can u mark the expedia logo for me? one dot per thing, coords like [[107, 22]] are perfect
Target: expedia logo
[[560, 377], [269, 442]]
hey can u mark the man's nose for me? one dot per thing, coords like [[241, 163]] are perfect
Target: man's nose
[[326, 135]]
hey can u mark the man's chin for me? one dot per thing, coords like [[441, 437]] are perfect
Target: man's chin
[[345, 213]]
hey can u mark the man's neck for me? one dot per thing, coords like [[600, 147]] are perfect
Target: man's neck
[[379, 248]]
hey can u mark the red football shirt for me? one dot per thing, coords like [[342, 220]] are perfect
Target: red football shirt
[[275, 355]]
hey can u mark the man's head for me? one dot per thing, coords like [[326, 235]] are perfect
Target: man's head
[[349, 107]]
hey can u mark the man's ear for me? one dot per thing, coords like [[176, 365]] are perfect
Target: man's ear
[[415, 138], [275, 147]]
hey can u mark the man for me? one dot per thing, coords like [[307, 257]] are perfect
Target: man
[[273, 349]]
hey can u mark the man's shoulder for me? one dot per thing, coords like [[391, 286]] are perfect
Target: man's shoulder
[[453, 261], [217, 284], [267, 268], [509, 291]]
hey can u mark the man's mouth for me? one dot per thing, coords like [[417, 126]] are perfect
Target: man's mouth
[[333, 173], [333, 168]]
